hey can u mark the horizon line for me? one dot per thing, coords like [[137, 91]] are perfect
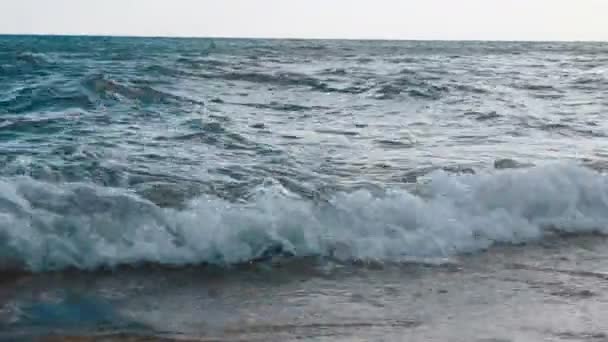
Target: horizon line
[[377, 39]]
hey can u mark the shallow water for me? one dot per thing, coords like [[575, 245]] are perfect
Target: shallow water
[[554, 291], [194, 153]]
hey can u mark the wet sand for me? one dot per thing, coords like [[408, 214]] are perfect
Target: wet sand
[[554, 291]]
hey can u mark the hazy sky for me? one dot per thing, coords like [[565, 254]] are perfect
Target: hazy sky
[[395, 19]]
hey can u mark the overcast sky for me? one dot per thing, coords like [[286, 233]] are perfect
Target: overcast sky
[[391, 19]]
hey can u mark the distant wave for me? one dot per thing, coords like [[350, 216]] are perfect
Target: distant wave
[[44, 98], [413, 85], [35, 59], [56, 226], [94, 88], [287, 79], [103, 87]]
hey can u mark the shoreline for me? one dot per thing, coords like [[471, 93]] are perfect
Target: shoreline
[[552, 291]]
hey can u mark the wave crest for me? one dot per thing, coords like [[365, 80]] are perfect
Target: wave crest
[[105, 88], [49, 227]]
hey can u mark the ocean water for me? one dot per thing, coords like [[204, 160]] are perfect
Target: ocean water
[[121, 154]]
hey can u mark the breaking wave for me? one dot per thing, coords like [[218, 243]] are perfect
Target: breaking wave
[[46, 226]]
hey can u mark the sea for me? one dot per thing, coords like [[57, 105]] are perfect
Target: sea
[[322, 190]]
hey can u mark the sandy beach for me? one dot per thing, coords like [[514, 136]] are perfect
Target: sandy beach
[[554, 291]]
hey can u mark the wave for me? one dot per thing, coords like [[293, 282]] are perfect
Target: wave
[[47, 226], [85, 96], [15, 126], [105, 88], [535, 87], [21, 64], [413, 86], [281, 107], [31, 99], [469, 89], [163, 70], [34, 59], [565, 129], [285, 79], [483, 116]]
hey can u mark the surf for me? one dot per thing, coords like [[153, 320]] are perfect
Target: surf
[[48, 227]]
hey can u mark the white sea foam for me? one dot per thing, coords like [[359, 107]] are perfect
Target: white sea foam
[[47, 227]]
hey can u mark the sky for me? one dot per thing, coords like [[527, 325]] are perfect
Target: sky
[[351, 19]]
